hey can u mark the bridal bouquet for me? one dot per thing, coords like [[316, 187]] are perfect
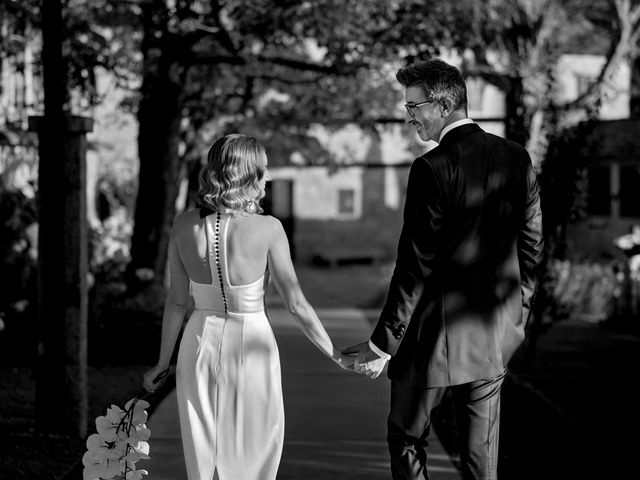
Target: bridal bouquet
[[121, 440]]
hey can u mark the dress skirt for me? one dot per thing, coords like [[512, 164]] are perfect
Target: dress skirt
[[229, 392]]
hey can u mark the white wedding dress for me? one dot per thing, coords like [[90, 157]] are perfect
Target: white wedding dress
[[228, 376]]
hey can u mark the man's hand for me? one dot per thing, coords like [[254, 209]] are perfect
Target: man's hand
[[367, 362]]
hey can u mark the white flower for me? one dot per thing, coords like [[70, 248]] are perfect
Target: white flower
[[141, 433], [95, 442], [100, 466], [132, 457], [107, 429], [140, 404], [120, 441], [139, 413], [141, 448], [136, 474], [115, 413]]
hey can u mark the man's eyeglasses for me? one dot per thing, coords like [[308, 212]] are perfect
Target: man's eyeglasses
[[412, 106]]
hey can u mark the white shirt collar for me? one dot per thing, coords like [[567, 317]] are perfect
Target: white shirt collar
[[451, 126]]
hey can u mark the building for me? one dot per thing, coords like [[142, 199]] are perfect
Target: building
[[608, 155]]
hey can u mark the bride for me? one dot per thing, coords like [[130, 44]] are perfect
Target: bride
[[228, 369]]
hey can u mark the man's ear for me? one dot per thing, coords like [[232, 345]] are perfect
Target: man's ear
[[446, 107]]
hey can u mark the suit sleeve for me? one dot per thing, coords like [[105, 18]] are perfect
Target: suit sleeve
[[530, 242], [415, 259]]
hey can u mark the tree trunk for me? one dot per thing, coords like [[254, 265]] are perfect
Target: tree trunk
[[516, 128], [158, 139], [61, 370], [634, 100], [159, 116]]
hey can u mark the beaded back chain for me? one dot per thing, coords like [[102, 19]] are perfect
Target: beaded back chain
[[216, 245]]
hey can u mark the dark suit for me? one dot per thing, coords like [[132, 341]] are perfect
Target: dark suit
[[462, 285]]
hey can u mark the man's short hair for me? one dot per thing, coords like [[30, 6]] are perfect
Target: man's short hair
[[438, 79]]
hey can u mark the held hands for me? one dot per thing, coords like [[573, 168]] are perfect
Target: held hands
[[367, 362], [345, 361], [153, 377]]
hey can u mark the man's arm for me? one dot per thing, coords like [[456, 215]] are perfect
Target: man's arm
[[530, 242], [416, 256]]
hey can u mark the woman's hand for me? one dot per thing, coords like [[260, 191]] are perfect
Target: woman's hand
[[152, 377], [345, 361]]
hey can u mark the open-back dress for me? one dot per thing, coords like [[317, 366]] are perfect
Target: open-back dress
[[228, 375]]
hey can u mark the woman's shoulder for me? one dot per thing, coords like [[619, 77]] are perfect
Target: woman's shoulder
[[265, 223], [185, 220], [259, 226]]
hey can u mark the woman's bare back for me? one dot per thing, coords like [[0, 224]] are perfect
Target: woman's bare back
[[247, 242]]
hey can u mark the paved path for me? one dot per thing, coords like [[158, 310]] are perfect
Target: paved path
[[335, 420]]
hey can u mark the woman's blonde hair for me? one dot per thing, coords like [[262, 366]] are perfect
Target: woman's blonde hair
[[229, 182]]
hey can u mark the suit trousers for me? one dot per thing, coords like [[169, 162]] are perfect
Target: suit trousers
[[477, 411]]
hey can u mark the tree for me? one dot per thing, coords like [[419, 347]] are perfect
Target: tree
[[273, 68], [548, 126], [634, 101], [244, 49], [61, 373]]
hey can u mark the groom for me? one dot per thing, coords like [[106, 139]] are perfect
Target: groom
[[464, 278]]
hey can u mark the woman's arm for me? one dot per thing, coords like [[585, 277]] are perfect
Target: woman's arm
[[175, 307], [284, 275]]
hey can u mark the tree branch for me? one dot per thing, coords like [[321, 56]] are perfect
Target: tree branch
[[286, 80], [625, 43], [491, 75], [223, 34], [306, 66], [209, 59], [204, 59]]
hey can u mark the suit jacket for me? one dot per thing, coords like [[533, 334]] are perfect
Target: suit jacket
[[464, 277]]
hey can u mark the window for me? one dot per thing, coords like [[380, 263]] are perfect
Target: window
[[346, 202], [475, 94], [629, 191], [599, 197], [583, 82]]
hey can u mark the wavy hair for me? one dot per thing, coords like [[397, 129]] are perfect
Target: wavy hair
[[229, 182]]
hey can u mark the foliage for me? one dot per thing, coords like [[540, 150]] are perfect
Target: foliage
[[103, 33], [274, 68], [17, 256], [266, 67], [563, 186], [518, 49], [586, 289], [17, 213], [16, 14], [109, 246], [117, 181]]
